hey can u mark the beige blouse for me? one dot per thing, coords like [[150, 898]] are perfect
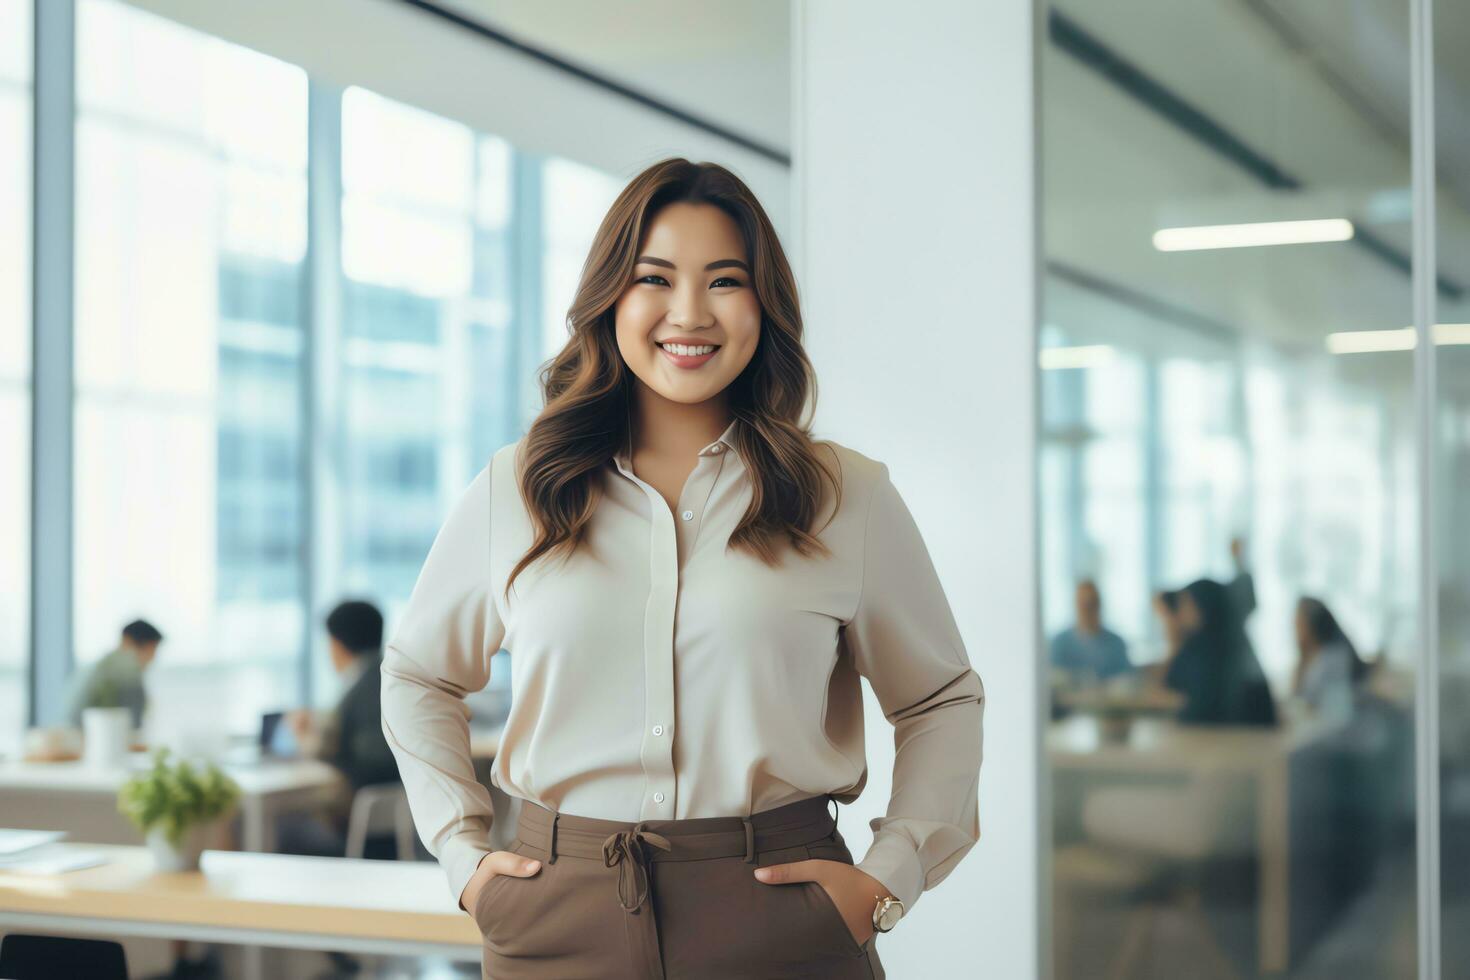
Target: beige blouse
[[656, 675]]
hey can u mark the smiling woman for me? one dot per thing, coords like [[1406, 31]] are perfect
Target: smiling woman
[[718, 277], [692, 311], [691, 587]]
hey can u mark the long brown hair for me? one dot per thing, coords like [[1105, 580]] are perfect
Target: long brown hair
[[588, 389]]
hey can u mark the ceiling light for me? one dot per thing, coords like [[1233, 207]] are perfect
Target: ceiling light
[[1087, 356], [1261, 233], [1404, 338]]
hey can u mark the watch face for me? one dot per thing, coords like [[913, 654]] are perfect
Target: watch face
[[890, 915]]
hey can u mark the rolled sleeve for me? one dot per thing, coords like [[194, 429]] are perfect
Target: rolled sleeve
[[904, 639], [439, 652]]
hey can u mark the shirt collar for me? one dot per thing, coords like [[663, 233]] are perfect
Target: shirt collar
[[725, 442], [356, 667]]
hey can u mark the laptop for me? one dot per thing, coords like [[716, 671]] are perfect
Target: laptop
[[277, 741]]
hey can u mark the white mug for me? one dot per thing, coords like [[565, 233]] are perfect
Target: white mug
[[106, 734]]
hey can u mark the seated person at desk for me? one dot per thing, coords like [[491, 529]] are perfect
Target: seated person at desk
[[1329, 668], [1089, 652], [1215, 667], [116, 681], [351, 735]]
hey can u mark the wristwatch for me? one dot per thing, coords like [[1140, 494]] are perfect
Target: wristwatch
[[887, 913]]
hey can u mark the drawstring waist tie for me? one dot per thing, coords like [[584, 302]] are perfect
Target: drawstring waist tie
[[632, 847], [625, 849]]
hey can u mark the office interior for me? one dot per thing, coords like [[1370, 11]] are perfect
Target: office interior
[[1160, 313]]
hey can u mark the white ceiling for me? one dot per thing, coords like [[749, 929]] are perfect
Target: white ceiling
[[727, 63], [1319, 87], [1323, 93]]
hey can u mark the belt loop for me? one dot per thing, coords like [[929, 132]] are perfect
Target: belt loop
[[749, 841], [554, 818], [835, 810]]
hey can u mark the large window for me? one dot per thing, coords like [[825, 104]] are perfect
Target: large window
[[431, 368], [15, 360], [426, 333], [190, 240], [573, 200], [266, 425], [428, 358]]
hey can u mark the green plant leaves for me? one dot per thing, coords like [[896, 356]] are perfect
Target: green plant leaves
[[176, 796]]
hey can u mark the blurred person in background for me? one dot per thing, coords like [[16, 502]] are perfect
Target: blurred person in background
[[116, 681], [1242, 587], [1328, 668], [1216, 668], [349, 737], [1089, 652], [1166, 606]]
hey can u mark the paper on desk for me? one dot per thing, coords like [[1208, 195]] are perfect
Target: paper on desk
[[14, 842], [49, 861]]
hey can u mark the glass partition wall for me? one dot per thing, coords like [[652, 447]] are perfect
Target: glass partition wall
[[1450, 411], [1234, 494]]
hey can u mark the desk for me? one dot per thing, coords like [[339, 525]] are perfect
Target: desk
[[397, 908], [82, 799], [1160, 746]]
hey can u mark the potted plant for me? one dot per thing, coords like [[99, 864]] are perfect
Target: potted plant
[[176, 805]]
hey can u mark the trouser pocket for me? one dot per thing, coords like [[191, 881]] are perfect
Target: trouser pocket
[[833, 849]]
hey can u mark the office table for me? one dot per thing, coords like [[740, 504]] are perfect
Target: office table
[[1162, 746], [82, 799], [399, 908]]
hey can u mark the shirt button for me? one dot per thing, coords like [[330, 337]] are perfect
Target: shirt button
[[688, 515], [658, 797], [658, 729]]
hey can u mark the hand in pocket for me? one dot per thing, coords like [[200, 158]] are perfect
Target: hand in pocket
[[492, 864]]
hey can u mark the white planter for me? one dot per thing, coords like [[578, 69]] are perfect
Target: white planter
[[106, 734], [185, 857]]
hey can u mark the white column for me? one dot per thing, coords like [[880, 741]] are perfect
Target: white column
[[916, 250]]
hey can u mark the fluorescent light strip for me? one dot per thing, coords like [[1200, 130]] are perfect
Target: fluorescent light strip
[[1451, 333], [1063, 358], [1383, 341], [1261, 233]]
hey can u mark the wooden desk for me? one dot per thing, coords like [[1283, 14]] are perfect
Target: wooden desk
[[1161, 746], [384, 907], [82, 799]]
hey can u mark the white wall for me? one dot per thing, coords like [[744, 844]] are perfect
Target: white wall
[[414, 57], [916, 216]]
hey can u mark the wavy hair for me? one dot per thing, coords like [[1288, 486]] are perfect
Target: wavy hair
[[587, 388]]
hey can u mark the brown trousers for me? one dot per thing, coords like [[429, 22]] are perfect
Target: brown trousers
[[670, 900]]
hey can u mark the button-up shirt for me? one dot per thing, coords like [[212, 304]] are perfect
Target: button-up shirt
[[658, 675]]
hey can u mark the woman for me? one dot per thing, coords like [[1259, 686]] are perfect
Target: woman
[[689, 586], [1328, 668], [1216, 669], [1166, 607]]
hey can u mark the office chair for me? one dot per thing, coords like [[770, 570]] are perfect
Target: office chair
[[383, 806], [24, 957], [1149, 846]]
